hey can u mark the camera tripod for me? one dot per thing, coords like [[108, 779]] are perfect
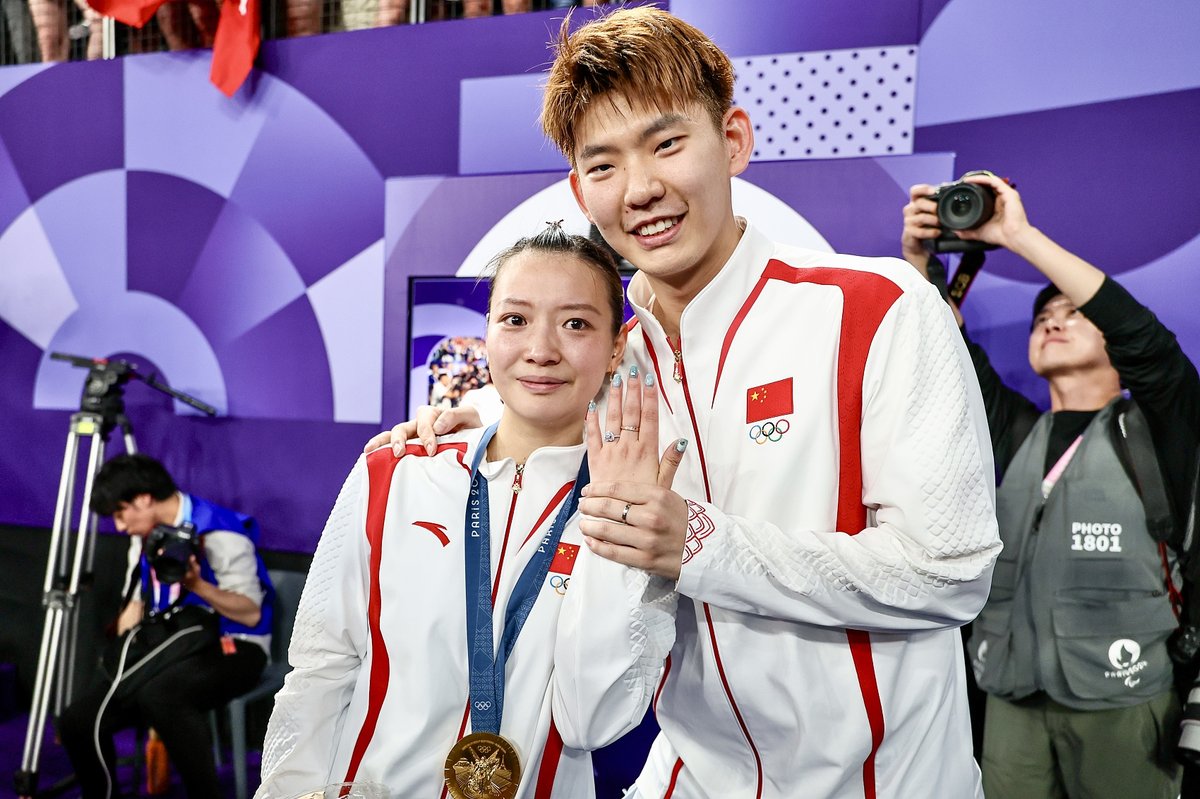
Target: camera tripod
[[69, 564]]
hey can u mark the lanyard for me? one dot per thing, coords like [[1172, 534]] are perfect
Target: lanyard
[[1051, 478], [486, 663]]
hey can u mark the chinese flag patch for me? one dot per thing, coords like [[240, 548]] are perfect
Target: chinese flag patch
[[769, 401], [564, 558]]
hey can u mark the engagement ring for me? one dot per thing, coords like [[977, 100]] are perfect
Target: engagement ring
[[610, 437]]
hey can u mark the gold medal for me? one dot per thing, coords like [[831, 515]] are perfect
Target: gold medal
[[483, 766]]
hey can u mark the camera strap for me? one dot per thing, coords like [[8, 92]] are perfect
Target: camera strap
[[1135, 450], [968, 267]]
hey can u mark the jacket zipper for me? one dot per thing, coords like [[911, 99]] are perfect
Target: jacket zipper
[[677, 351]]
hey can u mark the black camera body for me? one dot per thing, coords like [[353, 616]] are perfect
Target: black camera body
[[962, 206], [169, 550]]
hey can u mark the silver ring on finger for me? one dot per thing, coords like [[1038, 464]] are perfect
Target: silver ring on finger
[[610, 437], [625, 513], [631, 428]]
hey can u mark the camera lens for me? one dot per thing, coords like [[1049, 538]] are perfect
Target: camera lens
[[964, 206]]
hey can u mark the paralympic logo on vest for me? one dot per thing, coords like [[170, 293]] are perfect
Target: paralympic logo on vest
[[1123, 654]]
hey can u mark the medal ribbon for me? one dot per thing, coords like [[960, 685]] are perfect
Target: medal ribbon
[[486, 662]]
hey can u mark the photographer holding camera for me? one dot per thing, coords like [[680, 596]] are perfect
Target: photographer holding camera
[[1072, 646], [204, 595]]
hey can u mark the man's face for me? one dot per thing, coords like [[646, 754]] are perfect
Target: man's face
[[1063, 340], [657, 185], [136, 517]]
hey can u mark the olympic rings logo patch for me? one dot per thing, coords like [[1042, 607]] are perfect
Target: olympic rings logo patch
[[769, 431], [484, 705], [559, 583]]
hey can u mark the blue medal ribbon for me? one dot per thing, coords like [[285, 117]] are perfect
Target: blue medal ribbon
[[486, 663]]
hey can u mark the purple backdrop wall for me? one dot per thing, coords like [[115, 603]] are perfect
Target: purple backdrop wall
[[257, 250]]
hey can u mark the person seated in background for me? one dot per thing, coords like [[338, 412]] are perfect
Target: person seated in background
[[185, 24], [304, 17], [392, 682], [483, 8], [50, 22], [21, 37], [1072, 644], [391, 12], [227, 576]]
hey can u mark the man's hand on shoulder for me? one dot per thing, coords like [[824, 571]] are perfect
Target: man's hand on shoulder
[[430, 423]]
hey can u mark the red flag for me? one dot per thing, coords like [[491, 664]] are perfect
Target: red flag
[[238, 35], [768, 401], [134, 13], [564, 558]]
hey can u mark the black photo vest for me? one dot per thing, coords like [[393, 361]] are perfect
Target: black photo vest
[[1079, 607]]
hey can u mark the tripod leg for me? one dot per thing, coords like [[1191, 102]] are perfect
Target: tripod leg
[[134, 553], [60, 593], [84, 547], [62, 511], [25, 780]]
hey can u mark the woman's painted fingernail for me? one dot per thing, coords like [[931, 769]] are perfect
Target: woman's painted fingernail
[[681, 445], [649, 380], [592, 406], [616, 380], [633, 371]]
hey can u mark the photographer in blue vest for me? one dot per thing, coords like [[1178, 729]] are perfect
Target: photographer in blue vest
[[203, 587], [1072, 646]]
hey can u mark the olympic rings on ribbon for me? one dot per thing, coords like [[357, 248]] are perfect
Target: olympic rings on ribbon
[[769, 431]]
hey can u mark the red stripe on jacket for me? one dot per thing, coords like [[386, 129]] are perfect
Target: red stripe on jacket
[[662, 388], [549, 766], [871, 296]]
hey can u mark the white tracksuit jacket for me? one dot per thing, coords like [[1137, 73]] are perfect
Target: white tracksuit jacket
[[832, 555], [379, 686]]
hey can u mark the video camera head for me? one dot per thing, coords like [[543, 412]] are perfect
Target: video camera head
[[169, 550], [103, 389], [962, 206]]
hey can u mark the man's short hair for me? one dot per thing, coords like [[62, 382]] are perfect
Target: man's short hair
[[126, 477], [1049, 292], [643, 54]]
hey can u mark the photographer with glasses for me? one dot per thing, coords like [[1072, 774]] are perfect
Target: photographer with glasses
[[194, 636], [1072, 646]]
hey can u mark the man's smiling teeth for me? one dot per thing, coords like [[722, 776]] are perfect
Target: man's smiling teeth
[[656, 227]]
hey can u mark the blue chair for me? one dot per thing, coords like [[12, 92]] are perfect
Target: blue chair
[[288, 587]]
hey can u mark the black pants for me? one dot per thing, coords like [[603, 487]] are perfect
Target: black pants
[[175, 703]]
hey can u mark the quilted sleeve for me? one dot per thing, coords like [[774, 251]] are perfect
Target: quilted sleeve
[[328, 644], [925, 556], [616, 627]]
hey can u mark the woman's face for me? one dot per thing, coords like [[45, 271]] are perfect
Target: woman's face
[[549, 340]]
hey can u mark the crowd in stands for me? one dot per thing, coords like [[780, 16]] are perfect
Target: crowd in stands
[[64, 30], [457, 365]]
